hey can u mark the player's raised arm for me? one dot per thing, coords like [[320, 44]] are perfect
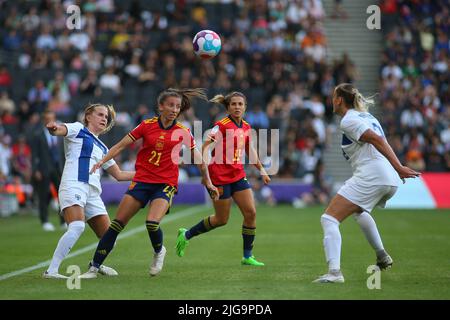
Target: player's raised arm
[[385, 149], [56, 129], [114, 151]]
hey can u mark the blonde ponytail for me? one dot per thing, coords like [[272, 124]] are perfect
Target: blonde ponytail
[[362, 103], [219, 99], [226, 100]]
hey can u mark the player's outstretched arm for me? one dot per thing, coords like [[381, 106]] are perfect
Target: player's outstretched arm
[[206, 180], [120, 175], [56, 129], [114, 151], [385, 149]]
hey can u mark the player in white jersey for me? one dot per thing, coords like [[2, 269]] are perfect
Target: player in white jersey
[[79, 191], [377, 173]]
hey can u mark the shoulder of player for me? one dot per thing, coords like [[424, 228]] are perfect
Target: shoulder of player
[[246, 124], [223, 121], [150, 121], [179, 125]]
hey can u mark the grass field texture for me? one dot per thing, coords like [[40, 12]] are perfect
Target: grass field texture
[[288, 240]]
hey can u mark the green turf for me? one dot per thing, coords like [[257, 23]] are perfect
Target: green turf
[[289, 242]]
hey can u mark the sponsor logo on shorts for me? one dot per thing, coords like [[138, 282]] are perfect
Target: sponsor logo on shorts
[[78, 197]]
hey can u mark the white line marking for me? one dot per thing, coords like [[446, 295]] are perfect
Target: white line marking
[[172, 217]]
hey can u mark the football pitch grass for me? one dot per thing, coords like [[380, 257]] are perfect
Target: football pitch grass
[[288, 241]]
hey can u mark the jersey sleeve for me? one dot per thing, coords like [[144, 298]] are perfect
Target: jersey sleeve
[[137, 132], [354, 128], [215, 132], [108, 164], [73, 129]]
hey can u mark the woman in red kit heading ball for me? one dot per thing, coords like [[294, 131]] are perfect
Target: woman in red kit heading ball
[[156, 177], [231, 138]]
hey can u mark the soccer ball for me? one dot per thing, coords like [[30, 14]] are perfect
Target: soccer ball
[[207, 44]]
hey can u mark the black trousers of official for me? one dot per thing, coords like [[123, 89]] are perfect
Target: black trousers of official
[[44, 195]]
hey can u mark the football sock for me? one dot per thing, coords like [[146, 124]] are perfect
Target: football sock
[[156, 235], [107, 242], [248, 235], [331, 241], [370, 230], [65, 243], [201, 227]]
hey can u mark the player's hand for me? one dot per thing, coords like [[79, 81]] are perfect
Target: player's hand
[[213, 191], [266, 179], [96, 166], [405, 172], [52, 126]]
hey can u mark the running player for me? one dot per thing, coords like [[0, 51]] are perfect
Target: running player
[[156, 176], [376, 177], [231, 137], [79, 192]]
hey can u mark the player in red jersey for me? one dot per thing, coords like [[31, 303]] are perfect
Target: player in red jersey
[[156, 177], [231, 137]]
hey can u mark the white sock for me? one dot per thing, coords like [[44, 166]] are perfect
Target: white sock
[[66, 242], [331, 241], [370, 230]]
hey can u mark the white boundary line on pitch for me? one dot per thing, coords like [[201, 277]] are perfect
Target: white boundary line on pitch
[[175, 216]]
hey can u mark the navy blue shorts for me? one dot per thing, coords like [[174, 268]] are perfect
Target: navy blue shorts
[[147, 192], [227, 190]]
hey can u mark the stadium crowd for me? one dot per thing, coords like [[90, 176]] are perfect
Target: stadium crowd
[[126, 52], [414, 90], [274, 51]]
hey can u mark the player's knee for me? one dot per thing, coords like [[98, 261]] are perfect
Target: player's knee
[[250, 214], [77, 227], [219, 222]]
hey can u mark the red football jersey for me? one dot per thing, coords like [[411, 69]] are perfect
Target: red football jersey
[[232, 140], [157, 161]]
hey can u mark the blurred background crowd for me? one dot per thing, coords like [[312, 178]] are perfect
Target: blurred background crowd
[[274, 51]]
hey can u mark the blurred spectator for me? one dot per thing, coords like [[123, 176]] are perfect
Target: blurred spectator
[[110, 80], [6, 104], [414, 160], [5, 77], [5, 155], [257, 118], [89, 85], [38, 96], [21, 159]]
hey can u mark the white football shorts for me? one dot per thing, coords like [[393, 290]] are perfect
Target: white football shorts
[[367, 197], [82, 194]]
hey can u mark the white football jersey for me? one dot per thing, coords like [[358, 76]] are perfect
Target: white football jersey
[[83, 149], [369, 166]]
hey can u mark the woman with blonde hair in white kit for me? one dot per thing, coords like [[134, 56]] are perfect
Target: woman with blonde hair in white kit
[[377, 173], [79, 191]]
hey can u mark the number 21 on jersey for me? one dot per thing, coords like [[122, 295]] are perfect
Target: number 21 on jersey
[[155, 158]]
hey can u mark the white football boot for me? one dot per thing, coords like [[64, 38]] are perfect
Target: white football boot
[[331, 277], [47, 275], [158, 262], [107, 271], [90, 274]]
